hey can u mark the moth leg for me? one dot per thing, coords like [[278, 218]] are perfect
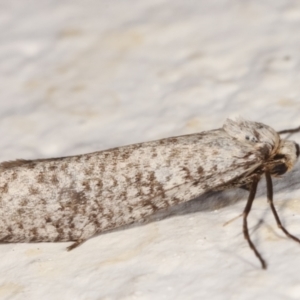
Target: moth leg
[[88, 232], [294, 130], [232, 220], [270, 201], [247, 209], [76, 244]]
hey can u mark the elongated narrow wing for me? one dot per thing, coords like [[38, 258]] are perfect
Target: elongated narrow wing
[[75, 197]]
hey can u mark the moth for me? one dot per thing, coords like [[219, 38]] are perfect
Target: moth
[[74, 198]]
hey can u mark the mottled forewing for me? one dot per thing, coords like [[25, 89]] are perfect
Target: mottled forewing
[[75, 197]]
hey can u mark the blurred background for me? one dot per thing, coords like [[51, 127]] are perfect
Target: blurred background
[[81, 76]]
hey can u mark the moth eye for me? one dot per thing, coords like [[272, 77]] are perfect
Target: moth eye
[[247, 137], [279, 169]]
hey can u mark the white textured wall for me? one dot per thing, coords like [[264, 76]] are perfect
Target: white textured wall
[[80, 76]]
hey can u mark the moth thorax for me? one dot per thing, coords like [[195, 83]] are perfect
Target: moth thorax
[[285, 158]]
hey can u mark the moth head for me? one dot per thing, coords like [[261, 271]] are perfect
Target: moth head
[[285, 158], [260, 136]]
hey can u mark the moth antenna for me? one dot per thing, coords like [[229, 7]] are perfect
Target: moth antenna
[[291, 131]]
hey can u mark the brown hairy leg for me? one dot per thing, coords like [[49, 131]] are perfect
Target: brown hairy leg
[[270, 201], [247, 209]]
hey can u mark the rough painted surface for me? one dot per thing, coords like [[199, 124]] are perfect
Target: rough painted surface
[[78, 78]]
